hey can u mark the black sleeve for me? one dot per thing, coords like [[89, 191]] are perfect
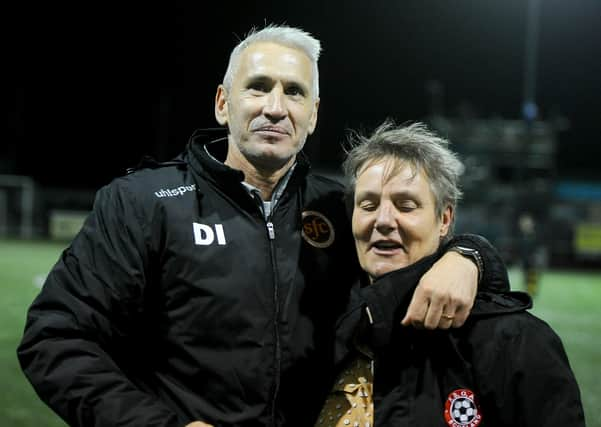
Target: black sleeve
[[524, 375], [86, 311], [494, 277]]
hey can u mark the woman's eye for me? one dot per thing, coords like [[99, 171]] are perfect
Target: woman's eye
[[406, 206], [367, 206]]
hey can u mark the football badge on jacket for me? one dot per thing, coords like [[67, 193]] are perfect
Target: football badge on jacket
[[461, 409]]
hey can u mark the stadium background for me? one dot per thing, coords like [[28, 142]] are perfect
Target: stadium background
[[515, 85]]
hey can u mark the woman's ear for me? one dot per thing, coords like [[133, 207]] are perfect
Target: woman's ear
[[446, 221]]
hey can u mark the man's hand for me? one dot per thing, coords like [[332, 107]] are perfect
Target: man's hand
[[445, 294], [199, 424]]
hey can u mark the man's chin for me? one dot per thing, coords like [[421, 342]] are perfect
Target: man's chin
[[273, 154], [269, 159]]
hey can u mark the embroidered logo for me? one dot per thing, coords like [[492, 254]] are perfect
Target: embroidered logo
[[317, 229], [460, 409], [174, 192]]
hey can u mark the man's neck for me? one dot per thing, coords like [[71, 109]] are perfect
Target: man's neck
[[263, 178]]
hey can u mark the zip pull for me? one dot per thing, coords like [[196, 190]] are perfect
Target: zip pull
[[270, 230]]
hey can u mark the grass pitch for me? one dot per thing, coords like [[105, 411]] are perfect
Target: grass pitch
[[569, 301], [23, 267]]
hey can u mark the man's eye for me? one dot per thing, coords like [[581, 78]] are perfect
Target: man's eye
[[258, 86], [294, 91]]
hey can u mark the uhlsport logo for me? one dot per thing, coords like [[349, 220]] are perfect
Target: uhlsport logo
[[174, 192], [461, 409], [317, 229], [205, 235]]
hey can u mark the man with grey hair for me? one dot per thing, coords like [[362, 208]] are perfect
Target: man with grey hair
[[204, 290], [405, 188]]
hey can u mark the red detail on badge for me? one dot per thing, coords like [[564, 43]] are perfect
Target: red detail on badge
[[317, 229], [461, 409]]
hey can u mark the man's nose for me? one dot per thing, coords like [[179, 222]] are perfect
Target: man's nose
[[385, 221], [275, 108]]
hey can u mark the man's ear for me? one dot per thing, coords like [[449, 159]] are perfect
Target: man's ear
[[446, 221], [313, 120], [221, 112]]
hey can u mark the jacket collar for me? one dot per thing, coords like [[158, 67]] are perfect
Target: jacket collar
[[389, 296], [207, 150], [392, 293]]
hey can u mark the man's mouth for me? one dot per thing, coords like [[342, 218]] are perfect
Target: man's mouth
[[272, 130]]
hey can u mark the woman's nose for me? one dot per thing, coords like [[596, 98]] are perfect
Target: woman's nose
[[385, 221]]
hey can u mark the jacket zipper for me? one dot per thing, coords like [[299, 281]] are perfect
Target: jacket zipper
[[270, 230], [276, 311], [371, 357], [276, 314]]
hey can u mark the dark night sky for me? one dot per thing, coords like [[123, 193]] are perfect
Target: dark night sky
[[97, 85]]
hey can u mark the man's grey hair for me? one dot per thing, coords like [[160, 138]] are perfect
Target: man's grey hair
[[415, 145], [283, 35]]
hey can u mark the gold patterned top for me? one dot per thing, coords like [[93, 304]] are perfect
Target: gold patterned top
[[350, 403]]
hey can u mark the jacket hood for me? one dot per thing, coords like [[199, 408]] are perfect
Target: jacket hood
[[201, 159]]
